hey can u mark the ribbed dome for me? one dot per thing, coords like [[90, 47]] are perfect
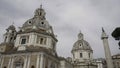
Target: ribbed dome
[[37, 22], [81, 45]]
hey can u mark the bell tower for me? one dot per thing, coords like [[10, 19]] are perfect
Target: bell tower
[[10, 35], [9, 39]]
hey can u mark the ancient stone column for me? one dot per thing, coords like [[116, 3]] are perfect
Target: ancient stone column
[[104, 37]]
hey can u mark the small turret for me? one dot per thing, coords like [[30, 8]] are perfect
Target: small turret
[[9, 38], [10, 35]]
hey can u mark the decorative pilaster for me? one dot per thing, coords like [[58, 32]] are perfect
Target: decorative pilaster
[[9, 62], [28, 63], [41, 60], [38, 61], [2, 60], [35, 39], [12, 62], [25, 61]]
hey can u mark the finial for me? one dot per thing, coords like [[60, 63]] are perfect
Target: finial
[[104, 35], [41, 6], [80, 32], [103, 29]]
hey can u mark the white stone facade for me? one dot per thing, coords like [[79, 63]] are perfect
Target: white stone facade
[[28, 60]]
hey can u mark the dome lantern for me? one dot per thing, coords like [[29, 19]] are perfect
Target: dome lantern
[[40, 13], [80, 36]]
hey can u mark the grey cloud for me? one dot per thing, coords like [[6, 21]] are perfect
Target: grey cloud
[[10, 10]]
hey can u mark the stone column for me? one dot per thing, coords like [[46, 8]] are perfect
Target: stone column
[[25, 61], [35, 39], [12, 62], [116, 64], [44, 61], [47, 41], [9, 62], [28, 63], [38, 61], [8, 38], [17, 42], [2, 60], [107, 49], [32, 39], [41, 61]]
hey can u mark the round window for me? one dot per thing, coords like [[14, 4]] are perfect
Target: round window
[[42, 22], [29, 22]]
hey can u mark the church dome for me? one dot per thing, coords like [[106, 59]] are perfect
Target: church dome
[[81, 44], [37, 22]]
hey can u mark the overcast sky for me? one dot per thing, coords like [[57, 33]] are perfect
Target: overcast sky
[[68, 17]]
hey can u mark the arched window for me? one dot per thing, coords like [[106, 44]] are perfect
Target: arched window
[[41, 41], [5, 67], [32, 66], [12, 31], [81, 55], [11, 39], [5, 39], [24, 39]]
